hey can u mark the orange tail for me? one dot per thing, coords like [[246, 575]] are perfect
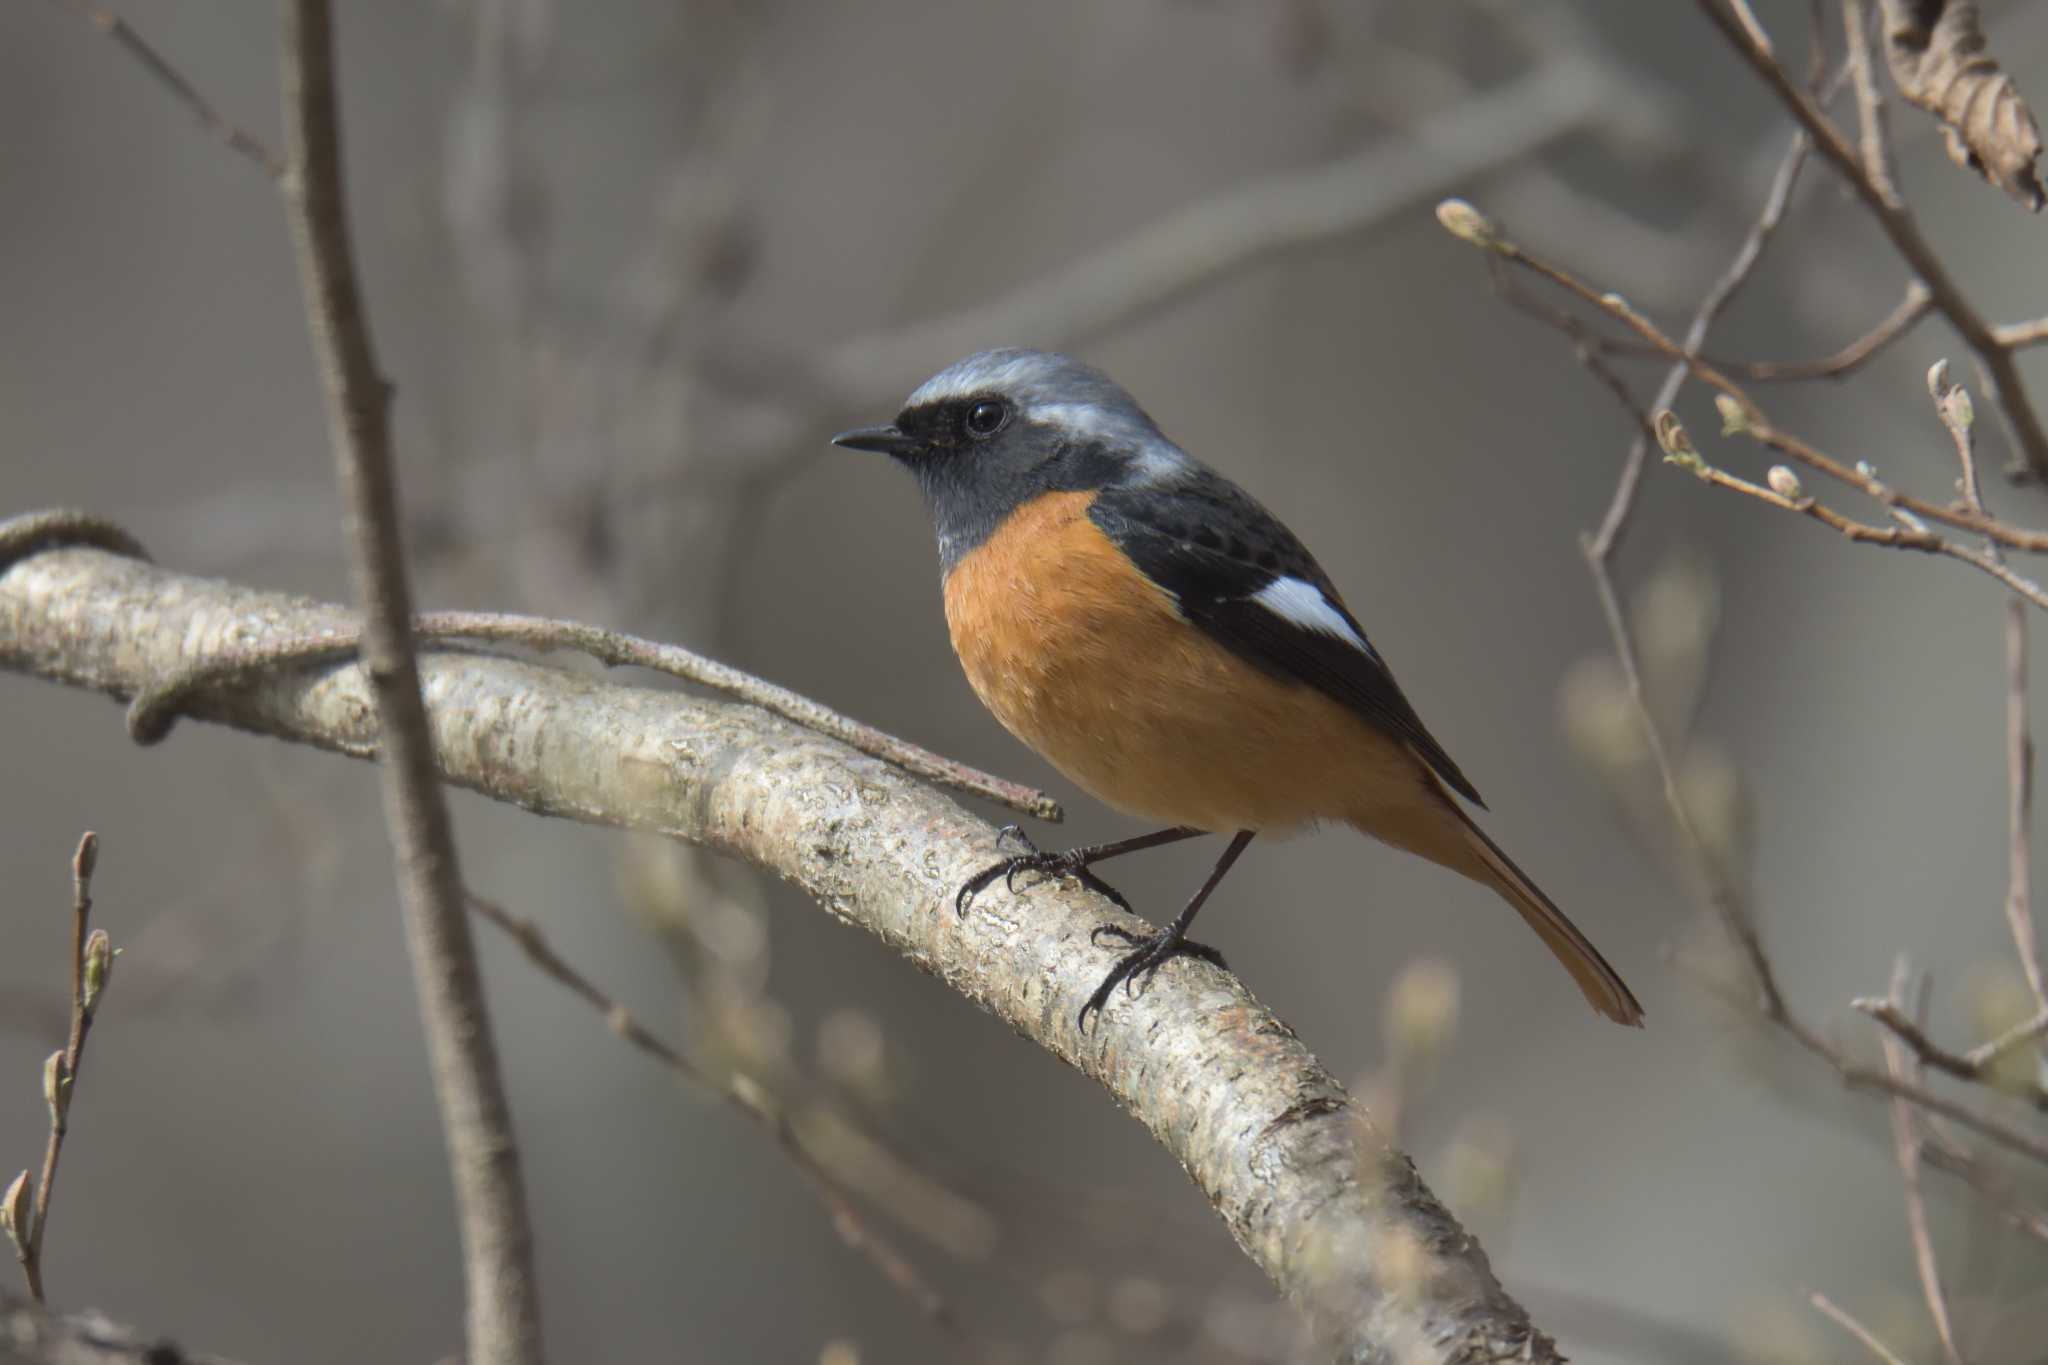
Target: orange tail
[[1602, 986], [1442, 832]]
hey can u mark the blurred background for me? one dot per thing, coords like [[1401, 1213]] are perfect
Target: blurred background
[[629, 265]]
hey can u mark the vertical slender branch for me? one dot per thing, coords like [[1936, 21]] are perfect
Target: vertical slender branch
[[1876, 147], [503, 1325], [1717, 298], [1906, 1145], [1952, 404], [92, 957], [2019, 767]]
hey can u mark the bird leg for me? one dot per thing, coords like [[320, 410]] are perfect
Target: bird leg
[[1074, 862], [1150, 951]]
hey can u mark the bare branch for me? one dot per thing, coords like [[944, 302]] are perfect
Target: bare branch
[[2019, 335], [92, 961], [1723, 897], [216, 124], [497, 1238], [1912, 307], [2019, 1035], [1897, 223], [1877, 152], [1999, 1192], [30, 1336], [1910, 534], [1305, 1183], [1598, 548], [1906, 1146], [1854, 1328], [151, 715], [1750, 26], [2019, 765], [744, 1094], [1952, 404], [1747, 417], [1970, 1066], [1717, 299]]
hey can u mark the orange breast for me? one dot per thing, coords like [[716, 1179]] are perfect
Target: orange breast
[[1091, 664]]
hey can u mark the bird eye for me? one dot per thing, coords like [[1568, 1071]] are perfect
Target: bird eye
[[985, 419]]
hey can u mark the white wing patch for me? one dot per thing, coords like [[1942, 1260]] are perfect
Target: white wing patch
[[1303, 603]]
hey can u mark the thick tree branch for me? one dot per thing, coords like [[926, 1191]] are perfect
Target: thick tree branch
[[502, 1297], [30, 1336], [1310, 1190]]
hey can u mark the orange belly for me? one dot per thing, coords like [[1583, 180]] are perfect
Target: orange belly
[[1092, 665]]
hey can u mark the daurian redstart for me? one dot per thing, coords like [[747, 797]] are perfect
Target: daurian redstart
[[1171, 647]]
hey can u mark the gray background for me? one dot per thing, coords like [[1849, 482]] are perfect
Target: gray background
[[255, 1166]]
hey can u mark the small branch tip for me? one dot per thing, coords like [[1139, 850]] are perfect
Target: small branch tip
[[86, 858], [1468, 224]]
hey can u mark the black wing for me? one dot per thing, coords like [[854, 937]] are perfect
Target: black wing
[[1216, 550]]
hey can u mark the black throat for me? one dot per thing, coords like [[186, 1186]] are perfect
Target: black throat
[[971, 490]]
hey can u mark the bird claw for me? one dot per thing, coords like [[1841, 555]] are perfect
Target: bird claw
[[1032, 859], [1150, 953]]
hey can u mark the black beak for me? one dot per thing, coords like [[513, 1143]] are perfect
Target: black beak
[[889, 440]]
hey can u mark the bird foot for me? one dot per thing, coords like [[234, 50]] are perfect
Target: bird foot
[[1149, 953], [1072, 863]]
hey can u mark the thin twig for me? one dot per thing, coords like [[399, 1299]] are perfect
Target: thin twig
[[1999, 1192], [2019, 335], [1721, 894], [1751, 420], [1751, 26], [1909, 534], [1841, 1318], [740, 1091], [1877, 154], [1913, 305], [2018, 1036], [503, 1300], [1717, 298], [152, 712], [1973, 1065], [1896, 221], [1598, 550], [1952, 405], [2019, 763], [1906, 1146], [222, 128], [91, 961]]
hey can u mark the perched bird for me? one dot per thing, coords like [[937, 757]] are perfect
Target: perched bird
[[1171, 647]]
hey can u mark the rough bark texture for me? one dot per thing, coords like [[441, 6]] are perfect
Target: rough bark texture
[[29, 1336], [1308, 1188]]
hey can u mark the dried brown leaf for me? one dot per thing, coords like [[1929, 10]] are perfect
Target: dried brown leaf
[[1935, 49]]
